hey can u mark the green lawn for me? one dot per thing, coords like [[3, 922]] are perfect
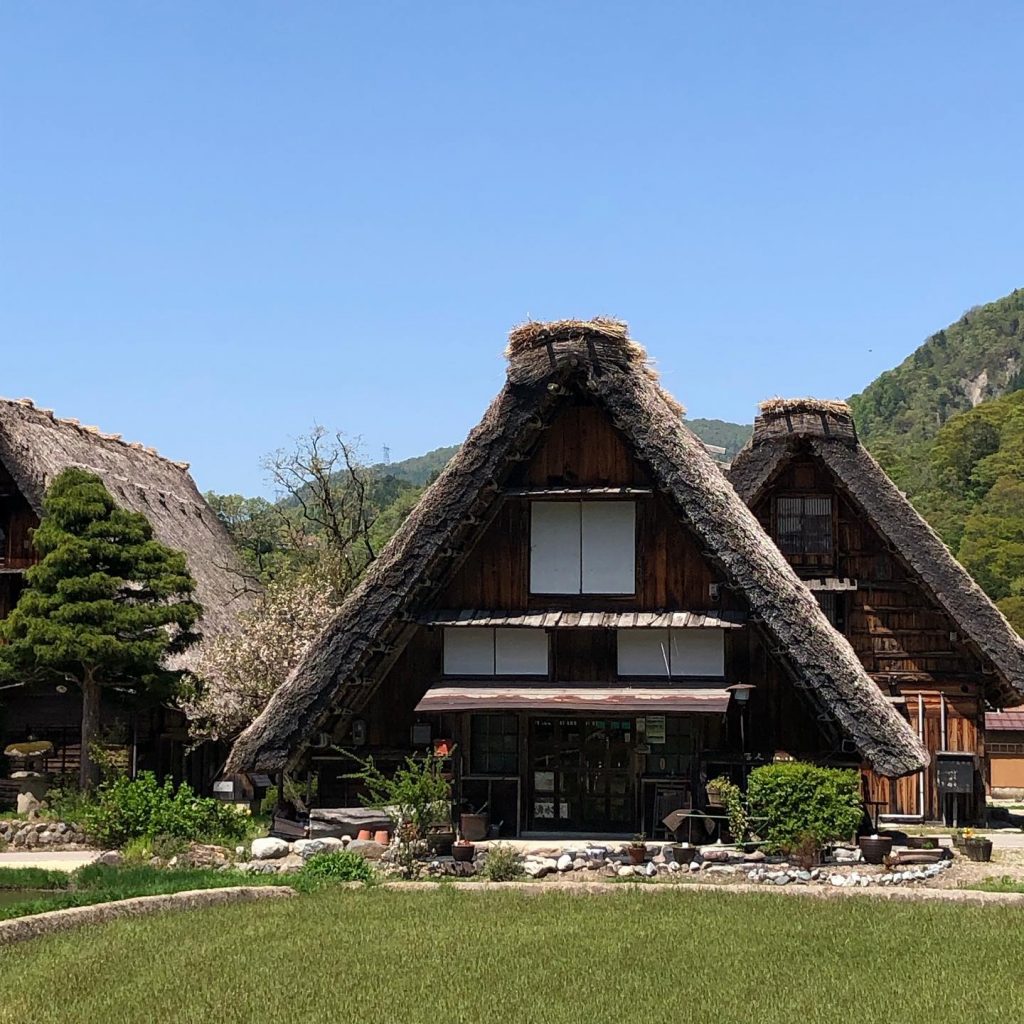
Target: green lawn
[[449, 956], [33, 891]]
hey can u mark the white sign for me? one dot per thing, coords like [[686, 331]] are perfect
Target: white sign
[[654, 727]]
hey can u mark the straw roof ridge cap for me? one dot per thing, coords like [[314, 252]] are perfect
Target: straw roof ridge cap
[[778, 404], [531, 333]]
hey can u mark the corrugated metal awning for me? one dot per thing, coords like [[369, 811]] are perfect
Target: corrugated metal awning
[[561, 619], [568, 698]]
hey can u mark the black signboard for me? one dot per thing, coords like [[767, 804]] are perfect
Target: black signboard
[[954, 773]]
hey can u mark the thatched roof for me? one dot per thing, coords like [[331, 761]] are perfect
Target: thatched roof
[[548, 363], [36, 445], [827, 430]]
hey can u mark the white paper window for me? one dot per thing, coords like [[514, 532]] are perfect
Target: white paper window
[[698, 652], [609, 547], [468, 651], [520, 652], [481, 651], [583, 547], [644, 652], [555, 547], [677, 652]]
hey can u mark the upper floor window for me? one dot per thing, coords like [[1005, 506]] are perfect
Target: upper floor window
[[803, 526], [586, 547], [672, 652], [482, 651]]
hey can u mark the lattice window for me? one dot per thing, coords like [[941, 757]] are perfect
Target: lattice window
[[803, 526]]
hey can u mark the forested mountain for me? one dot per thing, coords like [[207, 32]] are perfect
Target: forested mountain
[[969, 362], [730, 436], [948, 426]]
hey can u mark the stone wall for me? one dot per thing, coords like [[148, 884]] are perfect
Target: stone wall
[[18, 834]]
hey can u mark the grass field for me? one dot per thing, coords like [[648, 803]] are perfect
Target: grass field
[[35, 891], [406, 958]]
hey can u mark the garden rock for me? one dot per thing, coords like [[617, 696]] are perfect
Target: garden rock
[[367, 848], [310, 847], [111, 859], [536, 868], [269, 848], [564, 863], [203, 855]]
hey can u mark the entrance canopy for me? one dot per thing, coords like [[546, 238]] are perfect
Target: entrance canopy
[[574, 699]]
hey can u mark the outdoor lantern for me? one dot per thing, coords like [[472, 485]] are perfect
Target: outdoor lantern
[[740, 691]]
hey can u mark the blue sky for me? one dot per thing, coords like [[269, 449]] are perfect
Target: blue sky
[[223, 222]]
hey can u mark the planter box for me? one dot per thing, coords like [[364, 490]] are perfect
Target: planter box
[[923, 843], [979, 849]]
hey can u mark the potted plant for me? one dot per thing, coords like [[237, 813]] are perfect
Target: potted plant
[[874, 849], [976, 847], [716, 791], [637, 849], [683, 853], [463, 850]]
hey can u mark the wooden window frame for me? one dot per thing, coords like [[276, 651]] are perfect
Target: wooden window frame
[[824, 557]]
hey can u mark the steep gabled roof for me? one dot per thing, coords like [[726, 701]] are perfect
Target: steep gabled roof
[[548, 363], [827, 430], [35, 446]]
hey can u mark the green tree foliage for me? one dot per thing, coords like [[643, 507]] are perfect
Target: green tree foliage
[[105, 606]]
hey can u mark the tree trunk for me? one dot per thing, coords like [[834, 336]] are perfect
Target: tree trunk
[[89, 772]]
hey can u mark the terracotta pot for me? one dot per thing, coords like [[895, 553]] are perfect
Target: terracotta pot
[[364, 833], [463, 852], [875, 849], [383, 837], [637, 854]]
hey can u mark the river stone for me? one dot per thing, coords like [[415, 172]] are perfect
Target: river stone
[[564, 863], [269, 848], [111, 858]]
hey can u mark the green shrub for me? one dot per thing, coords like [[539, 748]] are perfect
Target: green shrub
[[128, 809], [733, 797], [503, 863], [333, 868], [802, 800]]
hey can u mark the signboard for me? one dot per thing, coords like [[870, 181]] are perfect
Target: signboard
[[224, 788], [954, 773], [654, 728]]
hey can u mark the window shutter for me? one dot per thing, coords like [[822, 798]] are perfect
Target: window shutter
[[643, 652], [468, 651], [521, 652], [555, 547], [609, 547], [698, 652]]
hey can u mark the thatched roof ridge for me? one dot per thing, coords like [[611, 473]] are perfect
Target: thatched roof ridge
[[783, 405], [36, 445], [342, 667], [914, 541]]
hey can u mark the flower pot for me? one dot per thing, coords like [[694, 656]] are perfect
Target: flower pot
[[875, 849], [683, 853], [364, 833], [637, 854], [978, 849], [464, 852], [715, 796], [473, 827], [382, 836]]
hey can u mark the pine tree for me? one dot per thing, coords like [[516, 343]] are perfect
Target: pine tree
[[105, 606]]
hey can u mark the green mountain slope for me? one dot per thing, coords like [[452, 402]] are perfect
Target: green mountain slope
[[730, 436], [969, 362]]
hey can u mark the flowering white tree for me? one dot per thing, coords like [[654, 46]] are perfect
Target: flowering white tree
[[239, 672]]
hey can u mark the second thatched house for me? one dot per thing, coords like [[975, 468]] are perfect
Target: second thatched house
[[583, 615], [934, 643], [35, 446]]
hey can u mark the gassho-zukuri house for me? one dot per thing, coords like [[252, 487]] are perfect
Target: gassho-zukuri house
[[927, 634], [584, 614], [36, 446]]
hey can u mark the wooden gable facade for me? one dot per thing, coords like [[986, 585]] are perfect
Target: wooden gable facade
[[575, 613], [569, 763], [923, 658]]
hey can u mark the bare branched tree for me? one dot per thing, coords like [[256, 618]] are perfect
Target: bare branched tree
[[323, 507]]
